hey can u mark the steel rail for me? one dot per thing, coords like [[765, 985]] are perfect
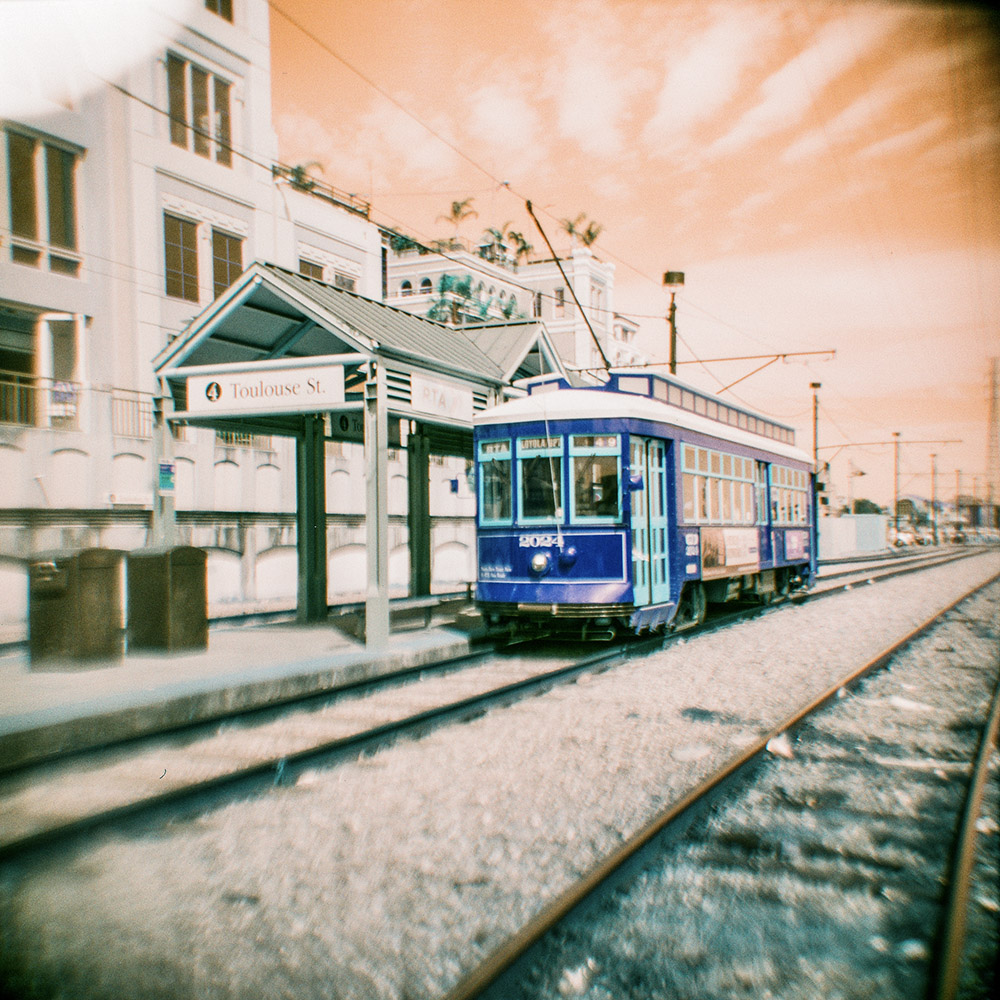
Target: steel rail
[[948, 957], [552, 913], [281, 766]]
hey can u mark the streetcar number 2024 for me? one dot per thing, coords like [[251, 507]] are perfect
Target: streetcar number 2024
[[537, 541]]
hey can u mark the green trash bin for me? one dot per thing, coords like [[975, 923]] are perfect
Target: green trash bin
[[167, 599], [75, 606]]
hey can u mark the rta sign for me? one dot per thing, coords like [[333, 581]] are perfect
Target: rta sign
[[213, 391]]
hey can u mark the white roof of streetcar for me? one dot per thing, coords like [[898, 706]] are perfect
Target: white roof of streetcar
[[602, 404]]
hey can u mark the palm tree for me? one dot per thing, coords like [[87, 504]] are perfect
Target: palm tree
[[590, 234], [522, 248], [495, 242], [573, 226], [298, 176], [576, 231], [460, 210]]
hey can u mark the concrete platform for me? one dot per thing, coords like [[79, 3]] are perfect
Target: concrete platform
[[65, 707]]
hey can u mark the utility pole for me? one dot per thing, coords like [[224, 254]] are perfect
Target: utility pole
[[934, 496], [673, 280], [895, 481], [814, 386], [958, 493]]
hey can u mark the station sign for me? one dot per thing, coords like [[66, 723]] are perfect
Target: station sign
[[443, 399], [349, 425], [305, 389]]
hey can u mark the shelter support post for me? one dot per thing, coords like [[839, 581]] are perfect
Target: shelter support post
[[310, 483], [377, 509], [418, 511], [164, 527]]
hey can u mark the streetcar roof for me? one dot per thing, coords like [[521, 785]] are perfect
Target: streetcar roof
[[601, 404]]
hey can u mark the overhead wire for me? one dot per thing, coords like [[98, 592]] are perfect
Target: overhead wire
[[467, 158]]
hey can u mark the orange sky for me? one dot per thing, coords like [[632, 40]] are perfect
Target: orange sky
[[824, 173]]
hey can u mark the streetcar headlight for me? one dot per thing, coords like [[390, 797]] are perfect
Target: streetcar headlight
[[540, 563]]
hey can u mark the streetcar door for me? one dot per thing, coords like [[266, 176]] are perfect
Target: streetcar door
[[659, 556], [650, 534], [640, 522]]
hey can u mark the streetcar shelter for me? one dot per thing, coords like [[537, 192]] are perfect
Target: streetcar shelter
[[282, 354]]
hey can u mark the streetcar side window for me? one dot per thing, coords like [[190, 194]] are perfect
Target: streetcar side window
[[716, 488], [539, 471], [494, 482], [789, 493], [596, 471]]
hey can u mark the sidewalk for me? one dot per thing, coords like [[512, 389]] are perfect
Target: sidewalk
[[65, 707]]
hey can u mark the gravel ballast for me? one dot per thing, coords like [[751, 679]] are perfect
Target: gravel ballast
[[391, 876]]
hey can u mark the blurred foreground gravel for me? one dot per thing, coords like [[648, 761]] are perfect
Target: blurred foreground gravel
[[391, 876]]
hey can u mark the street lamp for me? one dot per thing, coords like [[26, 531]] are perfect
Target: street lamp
[[814, 386], [673, 280]]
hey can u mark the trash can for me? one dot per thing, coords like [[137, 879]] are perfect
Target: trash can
[[167, 598], [75, 605]]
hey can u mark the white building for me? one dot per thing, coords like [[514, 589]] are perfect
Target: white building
[[123, 214]]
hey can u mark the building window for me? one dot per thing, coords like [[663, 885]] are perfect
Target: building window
[[42, 197], [344, 281], [198, 104], [310, 269], [180, 245], [560, 301], [39, 360], [406, 288], [426, 287], [224, 8], [227, 260], [536, 305]]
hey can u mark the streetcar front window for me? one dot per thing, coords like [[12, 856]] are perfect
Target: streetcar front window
[[539, 472], [494, 482], [596, 480]]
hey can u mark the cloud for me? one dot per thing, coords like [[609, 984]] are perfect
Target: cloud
[[705, 75], [788, 94], [907, 141], [862, 114], [499, 113], [594, 77], [386, 131], [381, 145]]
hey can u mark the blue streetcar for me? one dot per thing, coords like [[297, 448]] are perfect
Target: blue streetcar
[[630, 505]]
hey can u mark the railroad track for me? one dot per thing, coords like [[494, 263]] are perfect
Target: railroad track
[[156, 776], [838, 571], [812, 864]]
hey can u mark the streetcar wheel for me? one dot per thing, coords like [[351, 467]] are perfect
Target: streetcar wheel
[[693, 606]]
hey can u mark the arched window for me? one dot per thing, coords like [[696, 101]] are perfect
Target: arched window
[[425, 285], [406, 288]]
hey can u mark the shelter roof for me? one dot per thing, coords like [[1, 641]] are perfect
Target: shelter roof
[[271, 312], [520, 348]]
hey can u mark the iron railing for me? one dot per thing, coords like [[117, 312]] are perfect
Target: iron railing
[[33, 401]]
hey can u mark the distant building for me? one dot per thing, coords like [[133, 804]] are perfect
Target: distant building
[[465, 286]]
